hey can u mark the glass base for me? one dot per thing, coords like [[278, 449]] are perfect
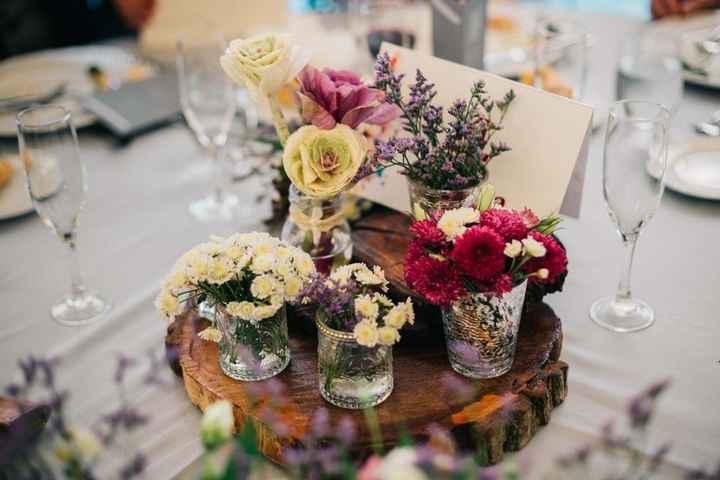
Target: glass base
[[479, 370], [79, 310], [630, 315], [352, 394], [214, 209], [269, 367]]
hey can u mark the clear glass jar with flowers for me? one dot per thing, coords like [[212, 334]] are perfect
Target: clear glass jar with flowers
[[357, 327], [476, 264], [445, 161], [325, 156], [246, 280]]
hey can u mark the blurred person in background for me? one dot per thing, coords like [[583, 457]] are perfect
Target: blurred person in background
[[663, 8], [27, 25]]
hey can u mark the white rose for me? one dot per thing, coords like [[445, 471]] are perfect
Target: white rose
[[263, 286], [533, 248], [241, 310], [388, 336], [264, 63], [453, 222], [513, 249], [218, 423], [366, 333], [366, 307]]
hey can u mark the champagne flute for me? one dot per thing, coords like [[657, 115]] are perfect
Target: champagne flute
[[208, 103], [56, 182], [637, 134]]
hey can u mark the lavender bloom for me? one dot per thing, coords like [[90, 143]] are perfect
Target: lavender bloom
[[441, 155], [642, 407]]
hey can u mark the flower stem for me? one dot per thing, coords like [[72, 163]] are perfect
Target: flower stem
[[279, 120]]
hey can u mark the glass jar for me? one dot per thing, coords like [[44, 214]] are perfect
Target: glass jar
[[430, 200], [318, 226], [481, 332], [351, 375], [251, 351]]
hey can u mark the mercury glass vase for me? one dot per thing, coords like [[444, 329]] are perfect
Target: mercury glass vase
[[252, 351], [481, 332], [351, 375], [319, 227], [430, 200]]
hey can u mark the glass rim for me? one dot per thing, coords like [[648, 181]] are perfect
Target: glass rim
[[63, 118], [339, 335], [662, 110]]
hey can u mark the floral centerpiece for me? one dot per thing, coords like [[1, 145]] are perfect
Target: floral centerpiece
[[476, 263], [443, 155], [357, 327], [328, 154], [248, 278]]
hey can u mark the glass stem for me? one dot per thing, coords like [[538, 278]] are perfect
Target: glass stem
[[217, 186], [77, 286], [623, 293]]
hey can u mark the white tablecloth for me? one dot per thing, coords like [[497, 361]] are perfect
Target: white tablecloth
[[136, 223]]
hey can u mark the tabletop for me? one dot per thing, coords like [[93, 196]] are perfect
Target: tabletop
[[136, 224]]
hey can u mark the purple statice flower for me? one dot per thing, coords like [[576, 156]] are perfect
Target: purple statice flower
[[441, 154], [641, 407]]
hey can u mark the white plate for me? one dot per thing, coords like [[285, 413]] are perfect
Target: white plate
[[686, 31], [41, 71], [693, 168]]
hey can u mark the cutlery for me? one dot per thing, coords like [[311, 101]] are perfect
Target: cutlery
[[20, 102]]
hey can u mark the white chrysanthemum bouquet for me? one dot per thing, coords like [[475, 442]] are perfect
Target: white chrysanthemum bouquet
[[250, 275]]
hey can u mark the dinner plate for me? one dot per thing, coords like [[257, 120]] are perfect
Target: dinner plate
[[39, 72], [14, 198], [687, 31], [693, 168]]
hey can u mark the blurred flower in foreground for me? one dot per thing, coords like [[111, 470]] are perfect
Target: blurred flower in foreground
[[218, 423]]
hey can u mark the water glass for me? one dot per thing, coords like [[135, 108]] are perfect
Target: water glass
[[56, 182], [208, 103], [650, 70], [637, 134], [560, 57]]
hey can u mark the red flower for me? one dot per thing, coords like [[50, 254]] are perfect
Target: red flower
[[555, 260], [437, 281], [428, 234], [499, 285], [528, 217], [507, 223], [478, 253], [414, 252]]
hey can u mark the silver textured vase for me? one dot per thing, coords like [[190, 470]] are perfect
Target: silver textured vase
[[481, 332]]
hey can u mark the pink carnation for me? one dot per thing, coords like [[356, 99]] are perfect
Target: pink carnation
[[528, 217], [478, 253], [329, 97], [555, 259], [507, 223], [437, 281], [428, 234]]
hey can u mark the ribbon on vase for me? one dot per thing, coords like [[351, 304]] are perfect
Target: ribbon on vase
[[315, 222]]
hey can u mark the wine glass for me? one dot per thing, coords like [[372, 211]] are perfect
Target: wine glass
[[208, 103], [56, 183], [637, 134]]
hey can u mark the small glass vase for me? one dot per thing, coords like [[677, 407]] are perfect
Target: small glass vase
[[318, 226], [481, 332], [430, 200], [351, 375], [252, 351]]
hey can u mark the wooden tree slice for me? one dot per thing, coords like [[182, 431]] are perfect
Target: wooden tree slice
[[503, 416]]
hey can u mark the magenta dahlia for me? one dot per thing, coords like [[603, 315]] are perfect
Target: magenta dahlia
[[507, 223], [428, 234], [478, 253], [437, 281], [555, 260]]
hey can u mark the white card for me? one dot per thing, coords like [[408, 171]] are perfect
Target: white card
[[547, 134]]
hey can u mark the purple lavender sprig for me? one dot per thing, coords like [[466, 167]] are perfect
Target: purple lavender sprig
[[448, 155]]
